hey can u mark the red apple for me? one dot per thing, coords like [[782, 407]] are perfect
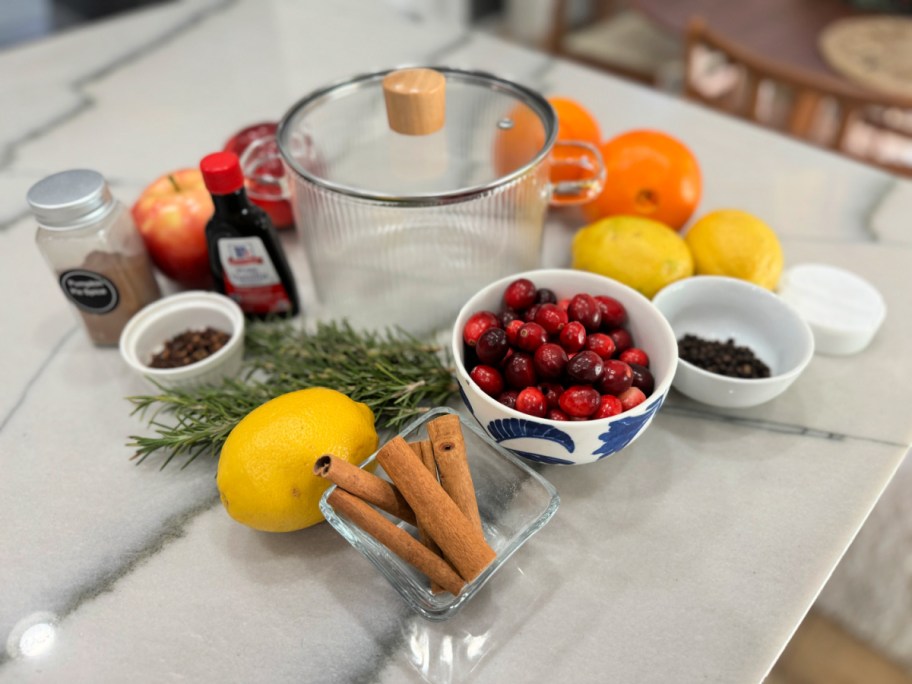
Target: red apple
[[171, 215]]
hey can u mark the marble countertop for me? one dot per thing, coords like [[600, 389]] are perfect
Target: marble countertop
[[692, 556]]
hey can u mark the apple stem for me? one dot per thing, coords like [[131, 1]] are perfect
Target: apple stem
[[174, 183]]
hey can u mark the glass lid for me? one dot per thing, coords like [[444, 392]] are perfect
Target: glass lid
[[340, 138]]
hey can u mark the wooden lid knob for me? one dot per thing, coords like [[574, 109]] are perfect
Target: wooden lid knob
[[415, 101]]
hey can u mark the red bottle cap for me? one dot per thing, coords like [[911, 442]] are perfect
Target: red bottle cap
[[222, 173]]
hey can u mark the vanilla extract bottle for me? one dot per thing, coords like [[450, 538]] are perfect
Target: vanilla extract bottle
[[245, 256]]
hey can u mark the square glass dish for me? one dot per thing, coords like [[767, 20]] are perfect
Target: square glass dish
[[514, 502]]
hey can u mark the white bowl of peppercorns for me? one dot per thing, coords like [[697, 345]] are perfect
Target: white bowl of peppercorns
[[740, 345], [562, 366], [186, 339]]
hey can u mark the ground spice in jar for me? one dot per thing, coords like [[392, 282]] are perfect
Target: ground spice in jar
[[723, 358], [189, 347]]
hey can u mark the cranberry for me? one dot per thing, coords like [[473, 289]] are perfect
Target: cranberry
[[573, 336], [622, 338], [529, 315], [557, 414], [476, 325], [552, 392], [520, 294], [564, 304], [632, 397], [507, 316], [545, 296], [585, 366], [519, 371], [492, 346], [551, 317], [532, 401], [609, 405], [530, 337], [614, 315], [642, 378], [585, 309], [513, 330], [616, 377], [601, 344], [508, 398], [550, 361], [579, 401], [634, 355], [488, 379]]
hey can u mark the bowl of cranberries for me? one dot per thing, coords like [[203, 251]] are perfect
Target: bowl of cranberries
[[563, 366]]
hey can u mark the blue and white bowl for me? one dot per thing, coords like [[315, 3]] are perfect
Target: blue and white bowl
[[570, 442]]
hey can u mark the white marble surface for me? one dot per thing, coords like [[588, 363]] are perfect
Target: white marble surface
[[692, 556]]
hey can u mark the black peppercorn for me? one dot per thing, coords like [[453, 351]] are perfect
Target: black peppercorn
[[722, 358]]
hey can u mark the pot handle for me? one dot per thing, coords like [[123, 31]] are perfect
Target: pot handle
[[582, 190]]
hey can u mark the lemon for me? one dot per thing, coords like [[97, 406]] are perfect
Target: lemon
[[265, 471], [646, 255], [737, 244]]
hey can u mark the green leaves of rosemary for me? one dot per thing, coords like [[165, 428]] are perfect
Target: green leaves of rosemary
[[398, 376]]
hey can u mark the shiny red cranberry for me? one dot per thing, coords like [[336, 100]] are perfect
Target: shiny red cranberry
[[512, 330], [557, 414], [642, 378], [622, 339], [519, 371], [609, 405], [532, 401], [507, 316], [634, 355], [545, 296], [632, 397], [529, 314], [585, 367], [617, 376], [530, 337], [488, 379], [492, 346], [550, 361], [508, 398], [520, 294], [585, 309], [551, 317], [476, 325], [601, 344], [573, 336], [552, 392], [579, 401], [614, 315], [564, 304]]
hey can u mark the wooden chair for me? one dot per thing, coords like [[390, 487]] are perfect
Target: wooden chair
[[875, 129], [616, 39]]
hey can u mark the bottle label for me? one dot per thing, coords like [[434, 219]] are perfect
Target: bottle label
[[251, 278], [90, 291]]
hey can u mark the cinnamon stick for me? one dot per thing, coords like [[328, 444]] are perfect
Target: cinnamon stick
[[461, 541], [424, 451], [396, 540], [446, 439], [364, 485]]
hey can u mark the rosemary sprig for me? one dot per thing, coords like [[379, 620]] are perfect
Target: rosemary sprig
[[397, 375]]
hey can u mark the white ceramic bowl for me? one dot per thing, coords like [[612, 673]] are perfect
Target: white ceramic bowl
[[719, 308], [570, 442], [146, 333]]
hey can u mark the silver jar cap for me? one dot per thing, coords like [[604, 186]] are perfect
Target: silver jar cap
[[70, 199]]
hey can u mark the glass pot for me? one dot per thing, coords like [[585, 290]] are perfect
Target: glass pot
[[412, 189]]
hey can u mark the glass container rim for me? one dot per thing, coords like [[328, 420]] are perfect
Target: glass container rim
[[339, 89]]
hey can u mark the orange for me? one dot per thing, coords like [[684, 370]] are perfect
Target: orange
[[650, 174], [517, 145]]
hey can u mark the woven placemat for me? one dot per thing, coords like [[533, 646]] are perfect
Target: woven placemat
[[875, 52]]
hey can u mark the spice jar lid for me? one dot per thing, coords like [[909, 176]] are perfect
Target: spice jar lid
[[843, 310], [70, 199], [345, 137]]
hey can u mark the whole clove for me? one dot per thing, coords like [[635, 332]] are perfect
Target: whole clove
[[189, 347]]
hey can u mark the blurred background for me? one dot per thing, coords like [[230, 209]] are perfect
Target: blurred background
[[832, 73]]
